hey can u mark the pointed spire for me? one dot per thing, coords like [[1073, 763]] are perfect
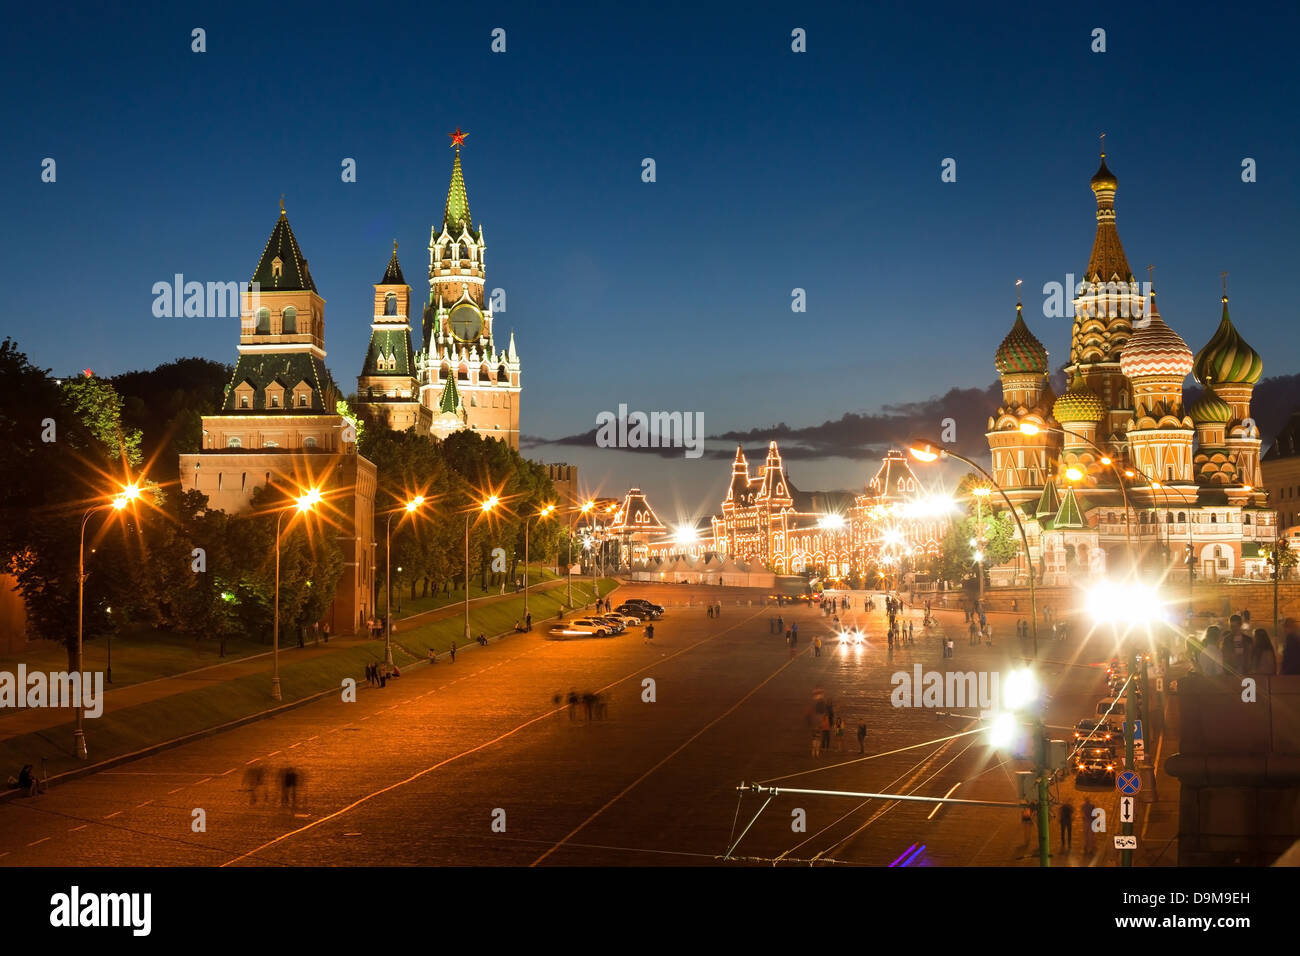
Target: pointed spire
[[1049, 503], [1107, 259], [1070, 515], [291, 273], [450, 400], [455, 215], [393, 274], [514, 356]]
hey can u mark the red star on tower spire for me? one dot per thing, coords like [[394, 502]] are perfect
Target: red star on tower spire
[[457, 137]]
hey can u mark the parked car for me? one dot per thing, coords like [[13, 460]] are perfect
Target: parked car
[[655, 610], [579, 628], [1097, 731], [1095, 763], [627, 620], [615, 625], [1112, 708]]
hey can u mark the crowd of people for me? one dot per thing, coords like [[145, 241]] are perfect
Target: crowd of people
[[1240, 649]]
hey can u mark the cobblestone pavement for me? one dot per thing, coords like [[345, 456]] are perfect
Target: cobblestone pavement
[[475, 763]]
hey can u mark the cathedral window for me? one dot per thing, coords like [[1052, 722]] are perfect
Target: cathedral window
[[263, 321], [289, 321], [302, 399], [309, 442], [462, 375], [234, 441], [275, 401], [502, 375], [1214, 518], [390, 304], [1182, 517]]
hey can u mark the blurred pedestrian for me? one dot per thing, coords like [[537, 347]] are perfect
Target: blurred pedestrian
[[573, 704], [816, 744], [289, 787], [862, 738], [1290, 647], [1067, 821], [1089, 838], [1263, 659], [839, 734], [453, 652]]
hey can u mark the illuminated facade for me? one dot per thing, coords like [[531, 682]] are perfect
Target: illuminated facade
[[460, 377], [765, 520], [1191, 474]]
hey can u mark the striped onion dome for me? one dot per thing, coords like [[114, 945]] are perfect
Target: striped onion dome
[[1078, 404], [1209, 409], [1226, 358], [1155, 349], [1020, 351]]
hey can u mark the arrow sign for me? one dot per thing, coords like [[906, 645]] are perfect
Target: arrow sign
[[1126, 842], [1125, 809]]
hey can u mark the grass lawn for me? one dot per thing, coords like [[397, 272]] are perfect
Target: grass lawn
[[408, 606], [139, 654], [495, 618]]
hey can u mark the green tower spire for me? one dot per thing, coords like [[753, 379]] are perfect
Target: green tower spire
[[455, 214], [450, 401]]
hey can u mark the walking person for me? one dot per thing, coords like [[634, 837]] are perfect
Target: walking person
[[1263, 657], [826, 732], [839, 734], [817, 647], [1067, 819], [862, 738], [453, 652], [816, 744], [1089, 838]]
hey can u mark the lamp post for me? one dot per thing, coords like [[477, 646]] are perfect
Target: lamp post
[[485, 507], [303, 504], [980, 494], [408, 508], [543, 513], [124, 497], [586, 507], [925, 451]]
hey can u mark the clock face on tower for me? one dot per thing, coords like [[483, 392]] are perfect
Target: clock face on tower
[[466, 322]]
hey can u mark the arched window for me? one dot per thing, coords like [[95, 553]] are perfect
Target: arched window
[[463, 374], [289, 321], [1169, 518], [243, 401], [1218, 551], [390, 304], [263, 321], [1214, 519], [1182, 517], [234, 441], [309, 442]]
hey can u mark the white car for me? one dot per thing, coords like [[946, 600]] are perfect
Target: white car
[[852, 635], [627, 619], [579, 628]]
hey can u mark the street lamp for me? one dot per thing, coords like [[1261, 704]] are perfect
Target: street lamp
[[1022, 697], [304, 503], [130, 492], [409, 508], [485, 507], [586, 507], [926, 451], [543, 513]]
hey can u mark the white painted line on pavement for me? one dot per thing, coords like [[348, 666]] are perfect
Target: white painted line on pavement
[[177, 790], [198, 783], [273, 753], [145, 804], [298, 744], [231, 770], [41, 840], [113, 814], [254, 760], [82, 827]]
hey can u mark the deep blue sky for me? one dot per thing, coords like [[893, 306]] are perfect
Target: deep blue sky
[[819, 170]]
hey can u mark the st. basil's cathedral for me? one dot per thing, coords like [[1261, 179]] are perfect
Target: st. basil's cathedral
[[1118, 464]]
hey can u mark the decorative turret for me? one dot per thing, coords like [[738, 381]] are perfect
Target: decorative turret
[[1020, 352], [1214, 463], [1226, 359], [387, 388]]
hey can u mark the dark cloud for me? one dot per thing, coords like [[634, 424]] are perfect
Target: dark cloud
[[854, 435]]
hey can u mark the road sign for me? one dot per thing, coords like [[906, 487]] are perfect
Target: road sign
[[1128, 782], [1125, 809], [1126, 842]]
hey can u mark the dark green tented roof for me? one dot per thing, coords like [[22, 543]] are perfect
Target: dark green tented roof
[[450, 396], [395, 342], [1070, 514], [1049, 503], [294, 274], [289, 368], [393, 274], [455, 214]]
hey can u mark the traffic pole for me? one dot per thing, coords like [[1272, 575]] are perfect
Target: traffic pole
[[1126, 856], [1044, 805]]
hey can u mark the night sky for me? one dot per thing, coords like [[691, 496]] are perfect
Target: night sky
[[775, 170]]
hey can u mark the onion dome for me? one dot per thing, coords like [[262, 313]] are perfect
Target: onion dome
[[1226, 358], [1078, 404], [1155, 349], [1020, 351], [1209, 409], [1104, 179]]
